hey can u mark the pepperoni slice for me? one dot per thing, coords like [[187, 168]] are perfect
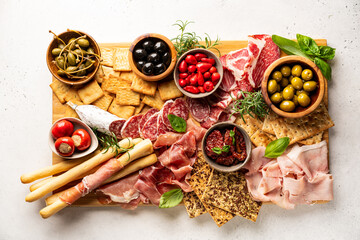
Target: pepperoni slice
[[150, 129], [131, 127], [115, 127], [199, 108]]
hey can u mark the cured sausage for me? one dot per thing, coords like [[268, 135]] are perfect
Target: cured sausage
[[165, 112], [162, 129], [115, 127], [180, 109], [146, 117], [199, 108], [131, 127], [213, 117], [150, 129]]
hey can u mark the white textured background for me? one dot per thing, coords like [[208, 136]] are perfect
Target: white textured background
[[25, 113]]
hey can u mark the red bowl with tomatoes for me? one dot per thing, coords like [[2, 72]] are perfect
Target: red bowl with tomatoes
[[71, 138], [198, 73]]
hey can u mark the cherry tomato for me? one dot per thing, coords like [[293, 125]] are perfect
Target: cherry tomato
[[65, 146], [183, 75], [191, 68], [208, 86], [62, 128], [199, 56], [182, 82], [213, 70], [82, 139], [201, 89], [190, 59], [203, 67], [183, 66], [215, 77], [207, 75]]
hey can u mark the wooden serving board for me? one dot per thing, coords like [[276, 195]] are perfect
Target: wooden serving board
[[59, 110]]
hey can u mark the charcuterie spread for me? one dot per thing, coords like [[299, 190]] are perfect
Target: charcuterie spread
[[227, 127]]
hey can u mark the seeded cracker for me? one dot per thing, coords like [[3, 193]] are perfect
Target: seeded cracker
[[312, 140], [168, 90], [107, 56], [121, 60], [198, 183], [193, 205], [144, 87], [199, 163], [251, 125], [90, 92], [60, 89], [154, 102], [268, 122], [228, 191], [260, 138]]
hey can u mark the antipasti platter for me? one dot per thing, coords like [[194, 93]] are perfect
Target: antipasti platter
[[217, 127]]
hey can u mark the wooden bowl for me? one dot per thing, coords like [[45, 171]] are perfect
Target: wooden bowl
[[66, 36], [218, 66], [316, 97], [223, 168], [161, 76]]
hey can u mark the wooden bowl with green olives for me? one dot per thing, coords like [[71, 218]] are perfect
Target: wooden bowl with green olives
[[73, 57], [293, 86], [152, 57]]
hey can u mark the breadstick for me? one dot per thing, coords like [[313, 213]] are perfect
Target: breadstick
[[94, 180], [132, 167], [76, 171]]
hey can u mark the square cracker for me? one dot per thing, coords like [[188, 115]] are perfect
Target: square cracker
[[126, 96], [90, 92], [60, 89], [121, 60], [193, 205], [145, 108], [251, 125], [121, 111], [154, 102], [139, 108], [228, 191], [312, 140], [72, 95], [104, 102], [268, 123], [107, 55], [112, 84], [199, 163], [104, 72], [130, 76], [260, 138], [168, 90], [198, 183], [144, 87]]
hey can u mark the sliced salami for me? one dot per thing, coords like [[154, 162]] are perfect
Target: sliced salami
[[165, 112], [180, 109], [115, 127], [150, 130], [162, 129], [199, 108], [146, 117], [131, 127]]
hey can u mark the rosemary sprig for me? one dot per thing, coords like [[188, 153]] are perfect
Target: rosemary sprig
[[109, 142], [251, 103], [189, 40]]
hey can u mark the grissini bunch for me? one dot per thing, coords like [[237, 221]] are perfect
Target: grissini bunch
[[94, 180], [131, 168], [80, 169]]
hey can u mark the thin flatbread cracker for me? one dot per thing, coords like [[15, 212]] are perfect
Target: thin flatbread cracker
[[268, 122], [313, 140], [126, 96], [228, 191], [60, 89], [168, 90], [193, 205], [121, 111], [107, 55], [121, 60], [104, 102], [154, 102], [90, 92], [198, 183], [112, 84], [260, 138], [139, 108], [144, 87]]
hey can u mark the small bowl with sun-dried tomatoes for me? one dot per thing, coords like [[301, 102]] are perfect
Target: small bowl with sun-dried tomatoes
[[226, 147]]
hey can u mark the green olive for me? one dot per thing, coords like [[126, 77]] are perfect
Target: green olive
[[288, 93], [71, 59], [90, 50], [295, 100], [60, 61], [285, 71], [71, 69], [287, 106], [278, 88], [84, 43], [307, 74], [296, 70], [61, 45], [277, 76], [309, 86], [276, 98], [56, 51], [297, 83], [284, 82], [82, 72], [272, 86], [291, 77], [61, 72], [298, 92], [291, 87], [303, 99]]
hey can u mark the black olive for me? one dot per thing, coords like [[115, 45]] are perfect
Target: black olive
[[159, 68], [166, 58], [160, 47], [140, 54], [153, 57], [148, 68], [148, 46], [140, 64]]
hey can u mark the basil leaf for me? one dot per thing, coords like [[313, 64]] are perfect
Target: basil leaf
[[171, 198], [177, 123], [288, 46], [225, 148], [277, 148], [308, 45], [326, 52], [324, 67], [217, 150]]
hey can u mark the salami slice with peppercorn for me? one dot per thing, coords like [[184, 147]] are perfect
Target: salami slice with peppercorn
[[199, 108], [146, 117], [131, 127], [150, 129], [179, 108], [165, 112]]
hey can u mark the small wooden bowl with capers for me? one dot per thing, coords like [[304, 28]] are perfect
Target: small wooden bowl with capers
[[293, 86], [73, 57]]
